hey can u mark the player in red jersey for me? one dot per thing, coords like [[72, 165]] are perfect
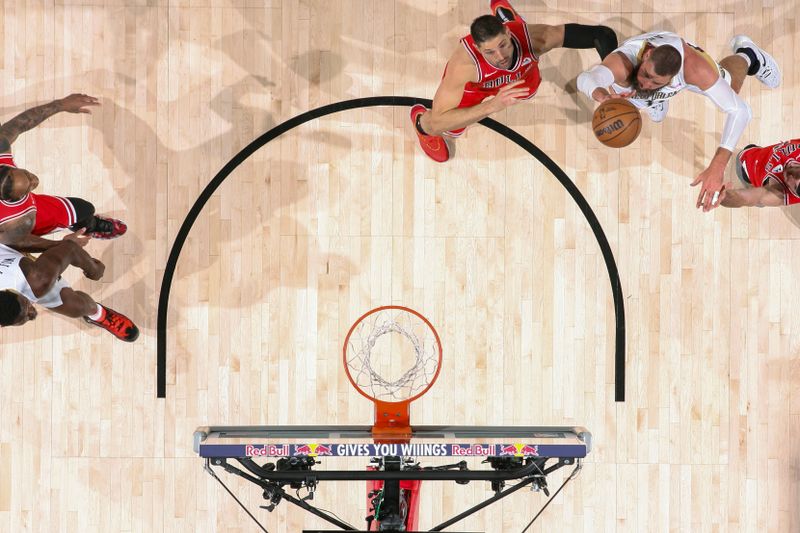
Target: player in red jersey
[[771, 175], [25, 216], [498, 59]]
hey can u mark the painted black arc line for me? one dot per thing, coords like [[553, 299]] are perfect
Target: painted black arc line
[[407, 101]]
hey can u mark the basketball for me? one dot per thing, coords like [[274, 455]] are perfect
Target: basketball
[[616, 123]]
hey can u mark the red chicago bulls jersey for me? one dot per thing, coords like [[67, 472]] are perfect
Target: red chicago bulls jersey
[[14, 210], [491, 78], [762, 164]]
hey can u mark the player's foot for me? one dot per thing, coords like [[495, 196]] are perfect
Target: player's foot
[[118, 324], [658, 110], [107, 228], [767, 70], [434, 146], [503, 10]]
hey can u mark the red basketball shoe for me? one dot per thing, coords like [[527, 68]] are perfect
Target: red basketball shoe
[[107, 228], [117, 324], [434, 146], [503, 10]]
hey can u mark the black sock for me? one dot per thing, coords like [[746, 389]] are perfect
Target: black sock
[[755, 64], [419, 126]]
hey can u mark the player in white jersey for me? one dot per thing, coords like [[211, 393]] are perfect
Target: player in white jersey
[[25, 281], [651, 68]]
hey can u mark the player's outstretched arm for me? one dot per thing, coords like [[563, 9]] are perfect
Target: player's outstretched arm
[[752, 197], [74, 103], [445, 114], [577, 36], [28, 242], [706, 78], [596, 82], [34, 244], [42, 273]]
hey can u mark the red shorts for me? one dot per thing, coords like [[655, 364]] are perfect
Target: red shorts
[[52, 213], [473, 98]]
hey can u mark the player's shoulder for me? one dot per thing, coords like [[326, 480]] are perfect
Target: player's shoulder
[[462, 66]]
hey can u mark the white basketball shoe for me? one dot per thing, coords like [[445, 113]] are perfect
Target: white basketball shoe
[[768, 71]]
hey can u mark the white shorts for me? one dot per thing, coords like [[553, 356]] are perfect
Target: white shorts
[[53, 297]]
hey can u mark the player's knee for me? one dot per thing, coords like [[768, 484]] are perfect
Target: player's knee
[[84, 212], [605, 41], [76, 304], [601, 38]]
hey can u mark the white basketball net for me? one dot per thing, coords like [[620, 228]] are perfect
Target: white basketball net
[[392, 355]]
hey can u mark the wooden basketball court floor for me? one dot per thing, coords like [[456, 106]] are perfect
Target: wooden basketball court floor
[[345, 214]]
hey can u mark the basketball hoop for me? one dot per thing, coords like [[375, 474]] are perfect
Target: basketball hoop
[[392, 356]]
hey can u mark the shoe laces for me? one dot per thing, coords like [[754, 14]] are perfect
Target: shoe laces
[[115, 321]]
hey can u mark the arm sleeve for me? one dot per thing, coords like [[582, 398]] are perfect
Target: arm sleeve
[[737, 111], [597, 76]]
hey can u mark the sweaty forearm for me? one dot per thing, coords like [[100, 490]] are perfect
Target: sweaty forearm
[[55, 260], [33, 244], [78, 257], [28, 120], [459, 117]]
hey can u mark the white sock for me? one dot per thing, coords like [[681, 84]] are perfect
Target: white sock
[[97, 315], [746, 58]]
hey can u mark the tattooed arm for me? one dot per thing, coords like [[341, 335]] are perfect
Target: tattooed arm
[[17, 234], [74, 103]]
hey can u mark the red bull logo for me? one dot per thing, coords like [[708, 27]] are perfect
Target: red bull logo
[[266, 450], [519, 450], [313, 450]]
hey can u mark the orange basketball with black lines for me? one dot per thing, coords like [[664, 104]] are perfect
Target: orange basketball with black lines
[[616, 123]]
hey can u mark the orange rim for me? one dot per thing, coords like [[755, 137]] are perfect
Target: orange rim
[[347, 341]]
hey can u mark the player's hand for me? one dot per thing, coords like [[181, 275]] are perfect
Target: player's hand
[[77, 103], [78, 237], [95, 269], [509, 95], [711, 188], [601, 95]]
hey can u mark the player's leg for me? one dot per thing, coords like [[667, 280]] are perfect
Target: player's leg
[[74, 304], [749, 59], [56, 212], [434, 146], [502, 9], [77, 304], [737, 67], [580, 36], [96, 226], [433, 142]]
